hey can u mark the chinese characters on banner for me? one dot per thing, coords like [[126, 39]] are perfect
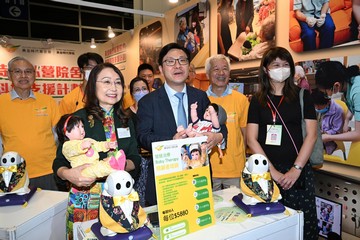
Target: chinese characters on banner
[[183, 186], [56, 81]]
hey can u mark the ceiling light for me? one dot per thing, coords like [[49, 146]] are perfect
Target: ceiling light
[[111, 33], [173, 1], [92, 44]]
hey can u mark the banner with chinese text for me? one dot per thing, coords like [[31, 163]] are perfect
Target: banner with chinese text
[[183, 186]]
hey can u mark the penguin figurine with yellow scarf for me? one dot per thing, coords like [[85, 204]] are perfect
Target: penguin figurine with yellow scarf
[[120, 213], [256, 183], [13, 175]]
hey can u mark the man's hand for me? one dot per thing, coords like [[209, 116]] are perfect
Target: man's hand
[[213, 139], [181, 133], [311, 21], [321, 20]]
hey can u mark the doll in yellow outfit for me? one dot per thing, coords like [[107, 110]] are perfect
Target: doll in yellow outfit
[[79, 150]]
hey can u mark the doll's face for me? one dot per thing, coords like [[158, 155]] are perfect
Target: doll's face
[[119, 183], [257, 164], [11, 158], [207, 115], [77, 132]]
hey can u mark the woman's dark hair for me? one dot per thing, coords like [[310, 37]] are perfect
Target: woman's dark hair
[[290, 90], [92, 105], [135, 80], [330, 72], [167, 49], [318, 97], [65, 124]]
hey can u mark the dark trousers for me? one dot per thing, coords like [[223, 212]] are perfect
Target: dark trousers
[[326, 34]]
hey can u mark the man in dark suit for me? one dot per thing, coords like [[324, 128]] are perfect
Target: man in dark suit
[[157, 111]]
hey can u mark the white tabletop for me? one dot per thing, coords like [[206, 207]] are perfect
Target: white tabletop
[[260, 227], [19, 220]]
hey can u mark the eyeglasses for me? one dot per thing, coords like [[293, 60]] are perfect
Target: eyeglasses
[[109, 84], [19, 72], [172, 61]]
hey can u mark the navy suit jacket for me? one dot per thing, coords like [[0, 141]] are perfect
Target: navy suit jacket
[[156, 121]]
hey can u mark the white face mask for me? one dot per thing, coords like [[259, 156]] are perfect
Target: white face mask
[[279, 74], [87, 74]]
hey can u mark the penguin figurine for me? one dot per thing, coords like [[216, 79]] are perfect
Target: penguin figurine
[[120, 211], [13, 175], [256, 182]]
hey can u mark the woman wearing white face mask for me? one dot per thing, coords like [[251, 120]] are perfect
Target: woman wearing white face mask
[[274, 130], [139, 87]]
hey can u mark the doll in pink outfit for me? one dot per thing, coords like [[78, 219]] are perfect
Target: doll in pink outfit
[[79, 150]]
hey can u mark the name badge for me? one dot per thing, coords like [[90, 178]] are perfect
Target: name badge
[[123, 132], [273, 135]]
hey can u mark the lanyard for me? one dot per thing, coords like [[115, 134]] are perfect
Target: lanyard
[[273, 113]]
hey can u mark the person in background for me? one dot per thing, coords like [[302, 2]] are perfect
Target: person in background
[[74, 101], [315, 15], [355, 20], [274, 130], [192, 75], [227, 170], [138, 89], [183, 34], [158, 117], [27, 122], [225, 9], [145, 71], [244, 16], [104, 119], [330, 116], [267, 39], [301, 79], [332, 77]]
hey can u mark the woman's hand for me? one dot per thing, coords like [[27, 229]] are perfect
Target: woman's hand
[[74, 176], [288, 179]]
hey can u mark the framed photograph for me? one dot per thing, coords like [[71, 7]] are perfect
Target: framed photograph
[[192, 31], [337, 28], [247, 28], [329, 215], [150, 45]]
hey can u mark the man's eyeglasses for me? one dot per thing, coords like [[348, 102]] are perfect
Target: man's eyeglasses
[[19, 72], [109, 84], [172, 61]]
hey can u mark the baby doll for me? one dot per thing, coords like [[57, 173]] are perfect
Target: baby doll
[[214, 116], [79, 150]]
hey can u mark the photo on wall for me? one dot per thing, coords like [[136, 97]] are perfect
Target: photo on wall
[[329, 215], [150, 45], [311, 30], [192, 32], [246, 29]]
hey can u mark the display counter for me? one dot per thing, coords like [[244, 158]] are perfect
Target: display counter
[[269, 227], [287, 225], [43, 218]]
